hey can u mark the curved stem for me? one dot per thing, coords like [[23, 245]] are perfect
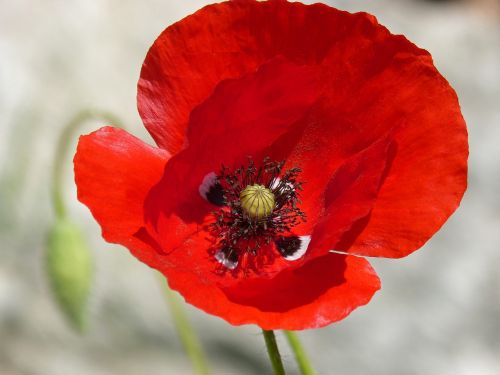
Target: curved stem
[[274, 354], [186, 332], [300, 354], [69, 131]]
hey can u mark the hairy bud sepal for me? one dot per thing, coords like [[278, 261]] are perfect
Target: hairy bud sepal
[[69, 268]]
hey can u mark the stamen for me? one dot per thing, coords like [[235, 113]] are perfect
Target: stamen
[[260, 207]]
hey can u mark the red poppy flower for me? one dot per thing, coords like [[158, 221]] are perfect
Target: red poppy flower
[[292, 141]]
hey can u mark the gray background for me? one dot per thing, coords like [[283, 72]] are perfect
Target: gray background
[[438, 311]]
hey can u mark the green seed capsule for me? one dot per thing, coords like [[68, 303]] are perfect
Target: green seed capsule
[[257, 201], [69, 268]]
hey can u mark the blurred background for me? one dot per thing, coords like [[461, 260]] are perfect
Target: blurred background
[[438, 311]]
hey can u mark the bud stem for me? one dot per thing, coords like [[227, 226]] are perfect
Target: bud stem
[[68, 133], [185, 331], [300, 354]]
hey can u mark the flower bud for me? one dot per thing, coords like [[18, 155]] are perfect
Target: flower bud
[[69, 268]]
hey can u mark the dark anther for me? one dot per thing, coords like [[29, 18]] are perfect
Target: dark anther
[[236, 233], [288, 246], [215, 195]]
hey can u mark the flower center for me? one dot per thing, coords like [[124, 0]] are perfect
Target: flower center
[[258, 207], [257, 201]]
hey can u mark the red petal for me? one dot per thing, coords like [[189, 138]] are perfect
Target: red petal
[[242, 118], [428, 175], [229, 40], [321, 292], [114, 172], [350, 196]]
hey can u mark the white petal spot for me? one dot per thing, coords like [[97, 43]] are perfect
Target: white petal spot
[[304, 244], [208, 181], [223, 259]]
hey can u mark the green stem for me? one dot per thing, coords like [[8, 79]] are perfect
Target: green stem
[[300, 354], [274, 354], [68, 133], [186, 332]]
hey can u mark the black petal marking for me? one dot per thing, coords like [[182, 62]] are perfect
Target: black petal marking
[[211, 190], [293, 247], [215, 195]]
